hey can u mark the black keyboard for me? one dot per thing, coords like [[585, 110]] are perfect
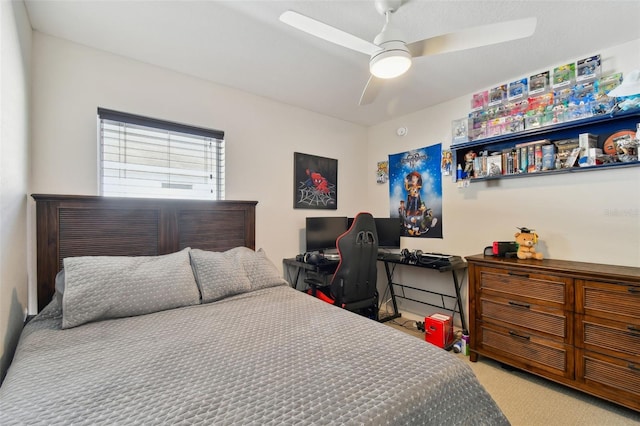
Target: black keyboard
[[427, 260]]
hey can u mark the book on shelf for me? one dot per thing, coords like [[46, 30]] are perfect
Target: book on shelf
[[531, 155], [494, 165], [509, 161]]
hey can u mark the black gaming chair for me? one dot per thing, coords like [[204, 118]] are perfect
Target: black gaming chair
[[353, 285]]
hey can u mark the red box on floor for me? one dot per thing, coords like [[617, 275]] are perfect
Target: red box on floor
[[438, 330]]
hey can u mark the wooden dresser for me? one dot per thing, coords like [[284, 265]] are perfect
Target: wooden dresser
[[575, 323]]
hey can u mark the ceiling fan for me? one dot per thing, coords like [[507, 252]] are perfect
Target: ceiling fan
[[390, 55]]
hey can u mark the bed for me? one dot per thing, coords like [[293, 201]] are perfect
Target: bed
[[185, 322]]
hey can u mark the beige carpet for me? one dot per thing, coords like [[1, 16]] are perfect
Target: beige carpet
[[527, 399]]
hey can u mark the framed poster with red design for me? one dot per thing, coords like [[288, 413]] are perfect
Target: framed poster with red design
[[315, 183]]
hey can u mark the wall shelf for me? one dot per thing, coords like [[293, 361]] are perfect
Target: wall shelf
[[603, 126]]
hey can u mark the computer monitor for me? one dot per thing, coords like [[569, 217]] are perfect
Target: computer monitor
[[389, 229], [321, 232]]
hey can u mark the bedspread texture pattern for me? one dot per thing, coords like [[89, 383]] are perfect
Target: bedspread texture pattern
[[270, 355]]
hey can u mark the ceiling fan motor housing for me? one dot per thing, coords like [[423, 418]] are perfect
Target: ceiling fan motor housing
[[394, 58]]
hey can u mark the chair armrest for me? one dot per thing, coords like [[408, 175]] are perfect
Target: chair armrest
[[316, 281]]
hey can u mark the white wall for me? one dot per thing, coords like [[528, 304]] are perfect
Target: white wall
[[70, 81], [590, 217], [15, 48], [586, 216]]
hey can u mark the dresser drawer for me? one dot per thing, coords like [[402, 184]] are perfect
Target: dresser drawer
[[614, 378], [526, 350], [522, 285], [542, 319], [608, 300], [574, 322], [614, 338]]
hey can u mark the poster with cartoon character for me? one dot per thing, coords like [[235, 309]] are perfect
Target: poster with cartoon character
[[415, 191], [315, 184]]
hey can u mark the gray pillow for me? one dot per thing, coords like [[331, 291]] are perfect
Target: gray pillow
[[235, 271], [261, 271], [104, 287], [59, 286]]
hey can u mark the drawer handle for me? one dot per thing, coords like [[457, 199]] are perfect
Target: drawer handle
[[514, 334], [634, 290], [519, 274], [521, 305], [633, 329]]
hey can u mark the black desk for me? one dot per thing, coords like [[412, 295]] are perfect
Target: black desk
[[457, 267], [293, 269]]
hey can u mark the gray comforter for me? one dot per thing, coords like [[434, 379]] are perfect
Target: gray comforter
[[271, 356]]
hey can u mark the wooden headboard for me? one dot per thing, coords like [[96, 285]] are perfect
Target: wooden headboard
[[71, 225]]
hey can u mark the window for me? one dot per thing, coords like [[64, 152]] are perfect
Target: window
[[145, 157]]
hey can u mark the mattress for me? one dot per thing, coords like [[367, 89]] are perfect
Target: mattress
[[268, 356]]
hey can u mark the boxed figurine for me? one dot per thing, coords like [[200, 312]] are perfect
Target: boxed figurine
[[479, 101], [533, 120], [496, 127], [588, 68], [497, 95], [539, 83], [539, 103], [540, 111], [517, 107], [564, 75], [608, 83], [514, 123], [460, 130], [518, 89], [478, 123]]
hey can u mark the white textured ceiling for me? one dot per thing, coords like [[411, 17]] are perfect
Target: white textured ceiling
[[242, 44]]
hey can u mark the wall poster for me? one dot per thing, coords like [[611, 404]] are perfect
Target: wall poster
[[315, 182], [415, 191]]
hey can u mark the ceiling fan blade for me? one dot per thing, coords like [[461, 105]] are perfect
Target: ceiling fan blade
[[474, 37], [371, 90], [327, 32]]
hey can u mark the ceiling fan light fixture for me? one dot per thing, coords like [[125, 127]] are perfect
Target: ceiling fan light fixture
[[390, 63]]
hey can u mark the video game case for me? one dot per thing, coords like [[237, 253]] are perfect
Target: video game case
[[523, 162], [548, 157], [531, 159], [538, 157]]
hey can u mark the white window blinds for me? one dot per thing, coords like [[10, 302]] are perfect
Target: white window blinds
[[145, 157]]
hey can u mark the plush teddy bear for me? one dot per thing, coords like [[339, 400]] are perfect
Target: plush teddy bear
[[526, 240]]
